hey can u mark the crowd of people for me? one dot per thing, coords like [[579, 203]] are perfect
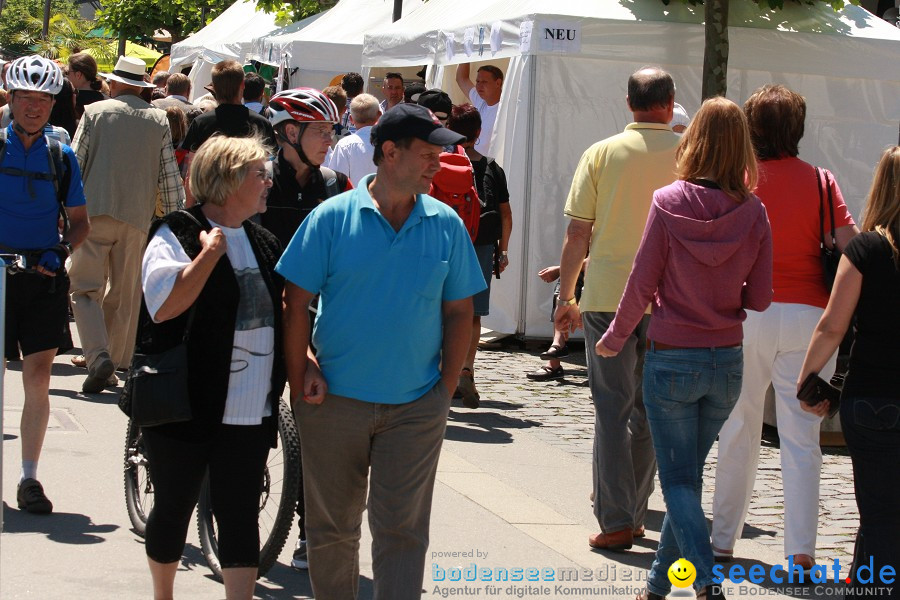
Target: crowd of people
[[223, 222]]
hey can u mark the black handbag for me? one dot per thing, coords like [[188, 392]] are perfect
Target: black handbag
[[816, 390], [155, 391], [830, 256]]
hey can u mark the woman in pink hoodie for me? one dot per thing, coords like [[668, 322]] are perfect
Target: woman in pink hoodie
[[705, 257]]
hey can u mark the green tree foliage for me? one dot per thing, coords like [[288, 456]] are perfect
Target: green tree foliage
[[65, 35], [21, 16], [291, 12], [137, 18]]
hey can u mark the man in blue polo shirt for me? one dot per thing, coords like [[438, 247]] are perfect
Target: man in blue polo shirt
[[36, 296], [395, 271]]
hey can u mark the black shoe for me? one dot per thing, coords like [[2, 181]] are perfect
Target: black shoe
[[98, 374], [555, 352], [546, 373], [30, 497]]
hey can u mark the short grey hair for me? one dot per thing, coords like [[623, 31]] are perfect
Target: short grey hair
[[364, 109]]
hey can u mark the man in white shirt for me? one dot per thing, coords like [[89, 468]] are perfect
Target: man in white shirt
[[353, 154], [484, 95]]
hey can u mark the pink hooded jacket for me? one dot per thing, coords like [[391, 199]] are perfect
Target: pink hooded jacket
[[703, 259]]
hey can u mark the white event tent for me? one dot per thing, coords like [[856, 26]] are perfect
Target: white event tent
[[228, 36], [566, 64], [332, 45]]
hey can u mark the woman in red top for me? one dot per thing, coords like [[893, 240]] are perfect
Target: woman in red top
[[776, 340]]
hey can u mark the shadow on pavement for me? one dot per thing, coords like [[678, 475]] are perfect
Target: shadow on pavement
[[65, 528], [464, 425], [107, 396]]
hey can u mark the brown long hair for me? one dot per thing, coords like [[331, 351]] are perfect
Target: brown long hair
[[84, 63], [717, 146], [882, 212]]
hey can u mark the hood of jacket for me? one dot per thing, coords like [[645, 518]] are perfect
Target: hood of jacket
[[709, 224]]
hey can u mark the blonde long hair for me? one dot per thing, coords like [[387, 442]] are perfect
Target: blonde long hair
[[717, 146], [882, 212]]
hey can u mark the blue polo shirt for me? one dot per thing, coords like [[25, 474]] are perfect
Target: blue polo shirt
[[29, 212], [378, 331]]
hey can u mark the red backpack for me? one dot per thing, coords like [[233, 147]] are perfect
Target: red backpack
[[454, 185]]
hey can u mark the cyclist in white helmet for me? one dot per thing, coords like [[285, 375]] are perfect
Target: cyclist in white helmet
[[303, 120], [35, 195]]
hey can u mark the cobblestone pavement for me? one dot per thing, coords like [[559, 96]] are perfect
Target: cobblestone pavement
[[562, 415]]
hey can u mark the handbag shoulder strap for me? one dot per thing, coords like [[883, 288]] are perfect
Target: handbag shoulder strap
[[821, 208], [830, 204]]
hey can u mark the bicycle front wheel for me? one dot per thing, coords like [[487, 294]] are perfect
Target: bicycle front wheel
[[138, 489]]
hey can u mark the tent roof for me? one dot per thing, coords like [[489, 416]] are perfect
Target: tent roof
[[228, 36], [427, 32], [334, 42]]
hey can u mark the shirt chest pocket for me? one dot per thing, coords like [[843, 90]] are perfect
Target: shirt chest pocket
[[430, 276]]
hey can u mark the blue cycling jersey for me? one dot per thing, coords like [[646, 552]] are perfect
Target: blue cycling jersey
[[29, 211]]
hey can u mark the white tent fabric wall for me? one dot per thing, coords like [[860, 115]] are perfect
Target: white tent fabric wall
[[560, 96], [228, 36], [332, 45]]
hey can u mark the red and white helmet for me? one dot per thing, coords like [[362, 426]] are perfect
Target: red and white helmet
[[304, 105], [34, 73]]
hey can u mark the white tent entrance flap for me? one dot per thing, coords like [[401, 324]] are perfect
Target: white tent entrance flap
[[565, 87]]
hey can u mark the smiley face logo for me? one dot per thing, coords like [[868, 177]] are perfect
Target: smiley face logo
[[682, 573]]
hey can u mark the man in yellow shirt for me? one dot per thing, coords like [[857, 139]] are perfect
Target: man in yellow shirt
[[608, 204]]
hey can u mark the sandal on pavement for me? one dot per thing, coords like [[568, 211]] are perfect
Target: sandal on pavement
[[555, 351], [79, 361], [546, 373], [466, 389]]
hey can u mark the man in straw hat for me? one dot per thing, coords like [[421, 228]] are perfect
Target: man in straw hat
[[124, 147]]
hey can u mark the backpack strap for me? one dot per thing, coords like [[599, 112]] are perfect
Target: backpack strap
[[331, 182], [61, 170]]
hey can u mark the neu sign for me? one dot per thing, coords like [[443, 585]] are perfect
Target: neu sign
[[559, 37], [560, 34]]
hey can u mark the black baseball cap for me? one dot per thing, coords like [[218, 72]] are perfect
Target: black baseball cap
[[437, 101], [411, 120]]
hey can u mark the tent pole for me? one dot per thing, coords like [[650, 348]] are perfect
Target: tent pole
[[526, 201]]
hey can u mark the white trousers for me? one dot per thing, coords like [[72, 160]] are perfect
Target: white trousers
[[775, 343]]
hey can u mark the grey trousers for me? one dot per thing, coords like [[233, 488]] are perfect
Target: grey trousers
[[624, 460], [346, 444]]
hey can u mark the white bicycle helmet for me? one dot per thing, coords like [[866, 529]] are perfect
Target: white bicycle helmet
[[304, 105], [34, 73]]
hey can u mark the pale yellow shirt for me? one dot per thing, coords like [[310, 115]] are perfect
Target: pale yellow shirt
[[612, 188]]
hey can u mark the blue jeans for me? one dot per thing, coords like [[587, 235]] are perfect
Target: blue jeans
[[688, 394]]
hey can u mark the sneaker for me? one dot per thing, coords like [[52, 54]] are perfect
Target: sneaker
[[300, 560], [30, 497], [98, 374], [466, 388]]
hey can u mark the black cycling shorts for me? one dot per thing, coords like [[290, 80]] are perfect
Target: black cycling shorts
[[37, 310]]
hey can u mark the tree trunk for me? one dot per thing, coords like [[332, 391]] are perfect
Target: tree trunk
[[715, 52]]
